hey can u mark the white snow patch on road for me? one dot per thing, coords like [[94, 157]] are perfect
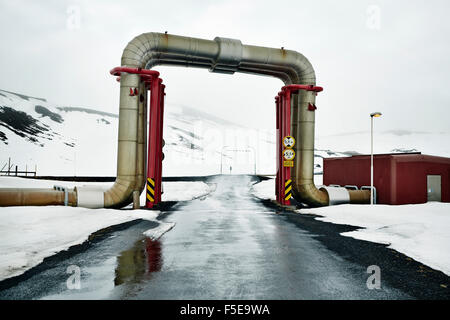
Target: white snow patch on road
[[30, 234], [264, 189], [420, 231], [181, 191], [184, 190], [157, 232]]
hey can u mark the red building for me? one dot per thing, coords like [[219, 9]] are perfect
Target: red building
[[400, 178]]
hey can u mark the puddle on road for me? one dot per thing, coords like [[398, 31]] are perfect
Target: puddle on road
[[139, 262]]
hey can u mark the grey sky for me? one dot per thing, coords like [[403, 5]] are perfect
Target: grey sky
[[400, 66]]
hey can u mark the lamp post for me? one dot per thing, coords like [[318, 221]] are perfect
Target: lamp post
[[372, 115]]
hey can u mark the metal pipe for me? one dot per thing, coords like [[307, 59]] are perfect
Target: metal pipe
[[220, 55], [35, 197]]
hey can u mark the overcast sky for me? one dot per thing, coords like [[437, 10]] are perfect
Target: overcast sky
[[388, 56]]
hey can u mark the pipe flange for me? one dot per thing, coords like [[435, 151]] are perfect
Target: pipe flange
[[90, 197], [336, 195], [229, 57]]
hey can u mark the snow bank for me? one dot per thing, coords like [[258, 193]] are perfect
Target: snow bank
[[181, 191], [419, 231], [158, 231], [30, 234], [264, 189], [184, 191]]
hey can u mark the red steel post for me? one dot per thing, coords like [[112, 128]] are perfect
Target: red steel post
[[153, 184], [283, 119], [285, 131], [277, 139], [159, 138], [283, 104]]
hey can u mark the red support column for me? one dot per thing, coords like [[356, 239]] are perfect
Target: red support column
[[154, 152], [155, 132], [284, 183], [159, 139], [278, 154], [283, 179]]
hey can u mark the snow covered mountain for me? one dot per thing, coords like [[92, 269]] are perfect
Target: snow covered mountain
[[67, 140], [62, 140]]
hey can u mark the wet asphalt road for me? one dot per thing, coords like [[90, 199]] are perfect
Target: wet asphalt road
[[228, 245]]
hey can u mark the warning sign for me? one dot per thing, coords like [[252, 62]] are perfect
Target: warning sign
[[288, 163], [288, 154], [288, 142]]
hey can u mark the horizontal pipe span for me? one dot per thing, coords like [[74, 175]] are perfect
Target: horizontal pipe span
[[229, 56], [35, 197], [359, 196]]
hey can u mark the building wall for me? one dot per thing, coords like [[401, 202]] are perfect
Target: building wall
[[356, 171], [412, 178], [399, 179]]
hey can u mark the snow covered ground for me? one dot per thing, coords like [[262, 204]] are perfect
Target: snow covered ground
[[266, 189], [420, 231], [30, 234]]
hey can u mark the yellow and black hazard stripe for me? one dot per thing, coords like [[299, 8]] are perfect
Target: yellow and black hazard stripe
[[150, 190], [288, 189]]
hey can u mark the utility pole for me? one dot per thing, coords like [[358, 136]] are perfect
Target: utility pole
[[372, 115]]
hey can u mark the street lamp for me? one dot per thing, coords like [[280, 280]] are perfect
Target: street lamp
[[372, 115]]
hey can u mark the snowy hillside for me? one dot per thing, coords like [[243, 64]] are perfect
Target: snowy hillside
[[63, 140]]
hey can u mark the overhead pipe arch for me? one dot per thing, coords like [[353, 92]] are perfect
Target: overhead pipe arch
[[221, 55]]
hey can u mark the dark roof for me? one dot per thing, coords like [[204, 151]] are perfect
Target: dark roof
[[387, 154]]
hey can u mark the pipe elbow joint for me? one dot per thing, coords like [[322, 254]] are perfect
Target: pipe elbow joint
[[120, 194], [310, 195], [136, 52]]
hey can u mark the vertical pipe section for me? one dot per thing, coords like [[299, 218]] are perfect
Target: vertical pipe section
[[120, 193], [141, 148], [303, 174]]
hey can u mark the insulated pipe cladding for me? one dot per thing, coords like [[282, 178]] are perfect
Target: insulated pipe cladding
[[220, 55]]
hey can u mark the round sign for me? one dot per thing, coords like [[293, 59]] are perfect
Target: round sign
[[289, 141], [288, 154]]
